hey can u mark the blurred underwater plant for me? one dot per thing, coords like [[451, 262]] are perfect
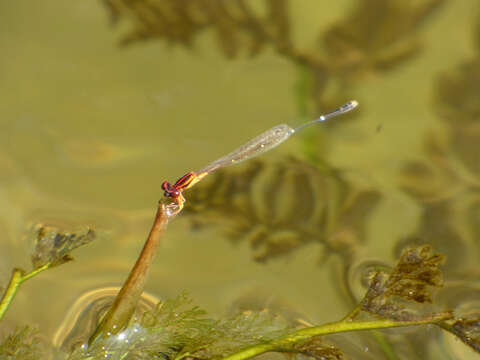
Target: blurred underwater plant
[[23, 343], [457, 101], [447, 182], [446, 185], [377, 35], [279, 207], [235, 23], [176, 329]]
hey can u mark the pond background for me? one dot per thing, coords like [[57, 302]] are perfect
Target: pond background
[[89, 130]]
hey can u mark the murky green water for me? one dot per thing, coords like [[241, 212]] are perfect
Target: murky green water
[[89, 130]]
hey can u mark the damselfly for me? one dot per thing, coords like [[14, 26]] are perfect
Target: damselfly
[[255, 147]]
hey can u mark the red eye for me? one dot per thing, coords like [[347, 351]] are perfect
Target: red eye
[[165, 185], [170, 190]]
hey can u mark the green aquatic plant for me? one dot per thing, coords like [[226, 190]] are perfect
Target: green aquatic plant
[[176, 329], [23, 343], [446, 185], [52, 248], [466, 329]]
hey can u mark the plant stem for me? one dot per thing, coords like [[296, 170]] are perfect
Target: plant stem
[[353, 314], [288, 340], [302, 91], [17, 278], [126, 301], [384, 344]]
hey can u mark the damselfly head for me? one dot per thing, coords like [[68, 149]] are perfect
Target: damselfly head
[[169, 190]]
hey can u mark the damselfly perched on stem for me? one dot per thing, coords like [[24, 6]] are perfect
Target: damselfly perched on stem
[[255, 147]]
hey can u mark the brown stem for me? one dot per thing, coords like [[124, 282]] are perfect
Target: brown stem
[[123, 307]]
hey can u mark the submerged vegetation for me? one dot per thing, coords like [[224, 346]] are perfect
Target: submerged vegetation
[[176, 329], [52, 248], [446, 184], [376, 36], [281, 206], [23, 343]]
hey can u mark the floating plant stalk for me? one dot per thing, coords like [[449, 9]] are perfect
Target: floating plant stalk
[[331, 328], [123, 307], [18, 277]]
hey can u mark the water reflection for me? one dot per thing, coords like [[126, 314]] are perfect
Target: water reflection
[[85, 314]]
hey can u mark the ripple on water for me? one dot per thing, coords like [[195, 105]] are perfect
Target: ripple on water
[[86, 313]]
